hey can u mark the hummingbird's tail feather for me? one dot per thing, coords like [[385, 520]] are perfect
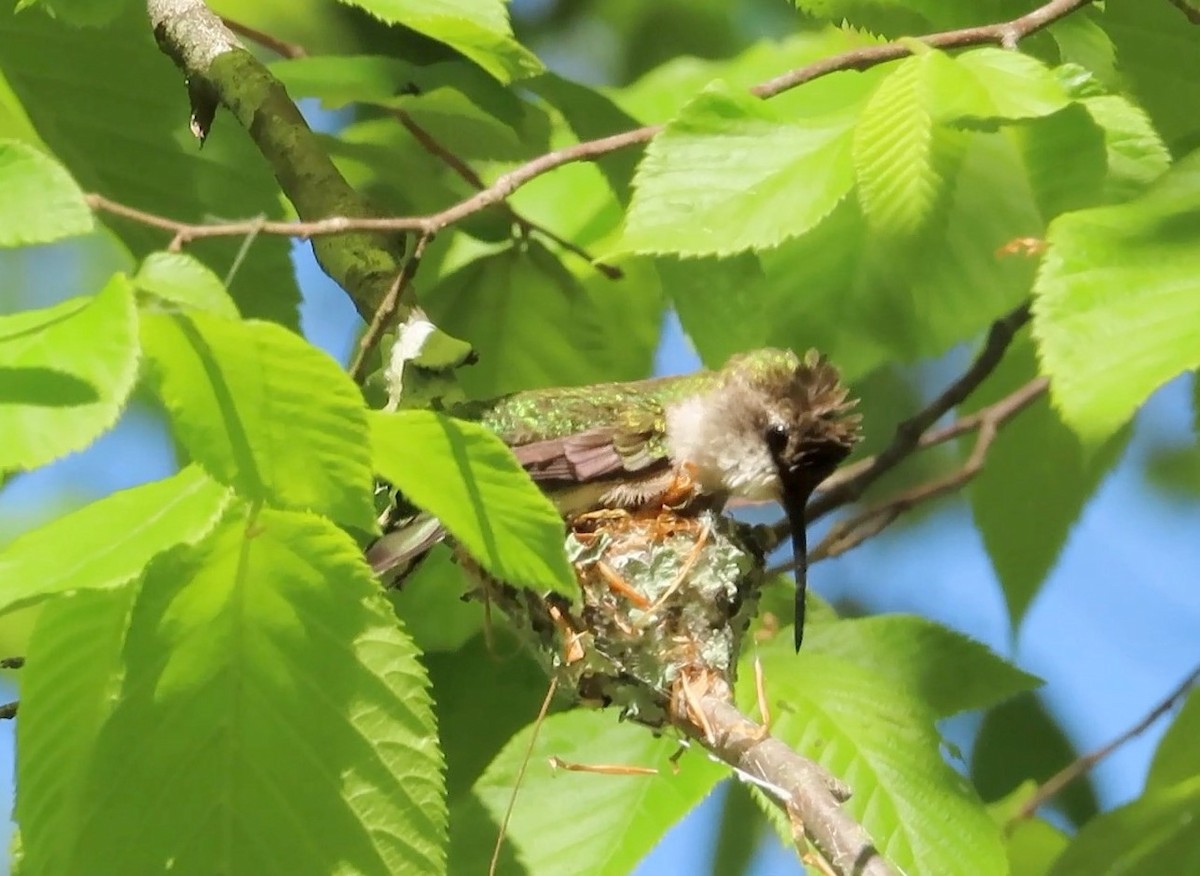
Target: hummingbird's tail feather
[[397, 552]]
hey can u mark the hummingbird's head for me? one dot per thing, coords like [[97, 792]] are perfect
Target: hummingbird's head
[[771, 425]]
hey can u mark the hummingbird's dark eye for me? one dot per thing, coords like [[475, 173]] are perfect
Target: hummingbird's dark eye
[[776, 437]]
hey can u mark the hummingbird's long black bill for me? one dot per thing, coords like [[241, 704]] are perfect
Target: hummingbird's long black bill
[[794, 502]]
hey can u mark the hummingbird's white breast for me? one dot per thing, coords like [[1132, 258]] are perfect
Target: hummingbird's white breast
[[726, 452]]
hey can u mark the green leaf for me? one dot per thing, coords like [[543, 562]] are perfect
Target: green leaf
[[1081, 40], [1117, 308], [945, 670], [483, 693], [1158, 57], [1033, 843], [566, 823], [65, 374], [719, 304], [121, 129], [923, 816], [1003, 758], [1136, 153], [265, 412], [271, 643], [898, 183], [727, 174], [866, 301], [469, 479], [591, 115], [109, 542], [41, 202], [1158, 833], [1017, 86], [536, 324], [1060, 185], [177, 278], [68, 691], [431, 604], [1037, 480], [1177, 758], [79, 13], [479, 29]]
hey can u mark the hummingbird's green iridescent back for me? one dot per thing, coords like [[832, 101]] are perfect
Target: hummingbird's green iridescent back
[[634, 412]]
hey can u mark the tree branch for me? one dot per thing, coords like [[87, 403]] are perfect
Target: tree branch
[[810, 796], [1003, 33], [12, 663], [218, 69], [8, 711], [849, 484], [435, 148], [850, 533], [1082, 765]]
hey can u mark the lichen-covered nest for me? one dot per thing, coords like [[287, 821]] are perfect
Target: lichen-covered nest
[[665, 601]]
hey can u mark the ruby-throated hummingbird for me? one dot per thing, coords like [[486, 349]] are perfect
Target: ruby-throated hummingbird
[[768, 426]]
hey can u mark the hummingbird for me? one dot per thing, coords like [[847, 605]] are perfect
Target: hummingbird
[[768, 426]]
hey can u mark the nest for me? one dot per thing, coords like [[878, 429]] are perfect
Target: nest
[[664, 604]]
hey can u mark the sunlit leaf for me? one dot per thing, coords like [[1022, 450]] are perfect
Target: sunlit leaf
[[898, 183], [41, 202], [271, 643], [1117, 308], [479, 29], [109, 542], [1136, 153], [944, 669], [65, 374], [727, 174], [68, 691], [881, 740], [264, 411], [121, 129], [179, 279], [567, 822], [468, 478]]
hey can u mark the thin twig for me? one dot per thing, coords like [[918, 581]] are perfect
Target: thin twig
[[12, 663], [986, 423], [1082, 765], [435, 148], [280, 47], [850, 483], [8, 711], [1006, 34], [440, 151], [387, 309], [512, 800]]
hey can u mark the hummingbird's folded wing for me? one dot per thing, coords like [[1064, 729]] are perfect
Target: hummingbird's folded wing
[[633, 444]]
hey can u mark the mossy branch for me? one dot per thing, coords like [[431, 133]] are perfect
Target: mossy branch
[[220, 72]]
